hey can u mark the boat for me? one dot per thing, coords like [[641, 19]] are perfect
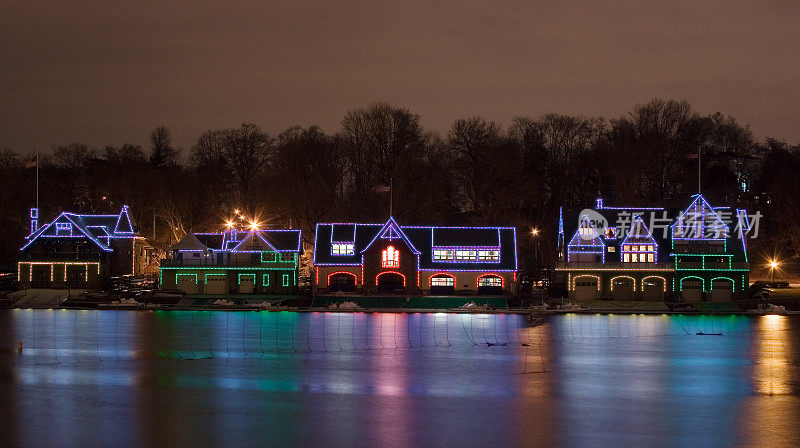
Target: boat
[[702, 333], [348, 306], [769, 309], [571, 307], [123, 304]]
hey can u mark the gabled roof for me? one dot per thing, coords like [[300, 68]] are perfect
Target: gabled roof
[[586, 235], [253, 239], [278, 240], [189, 242], [699, 221], [389, 231], [96, 228], [639, 234], [421, 240], [124, 224]]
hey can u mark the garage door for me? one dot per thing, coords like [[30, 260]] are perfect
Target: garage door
[[217, 284], [76, 276], [490, 285], [40, 277], [247, 283], [692, 289], [186, 283], [721, 290], [653, 289], [343, 281], [390, 282], [442, 285], [586, 288], [622, 288]]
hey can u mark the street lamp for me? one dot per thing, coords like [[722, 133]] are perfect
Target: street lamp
[[535, 233], [773, 265]]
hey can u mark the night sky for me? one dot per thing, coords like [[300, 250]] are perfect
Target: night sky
[[107, 73]]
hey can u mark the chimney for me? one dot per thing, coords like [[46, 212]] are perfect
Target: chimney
[[34, 219]]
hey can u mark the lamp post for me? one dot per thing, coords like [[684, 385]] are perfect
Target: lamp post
[[535, 234], [773, 264]]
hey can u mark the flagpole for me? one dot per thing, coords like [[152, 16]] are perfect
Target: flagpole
[[391, 195], [37, 181], [699, 158]]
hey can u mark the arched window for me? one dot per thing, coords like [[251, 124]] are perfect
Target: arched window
[[390, 258]]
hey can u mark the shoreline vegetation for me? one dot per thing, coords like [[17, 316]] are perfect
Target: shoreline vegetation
[[478, 173]]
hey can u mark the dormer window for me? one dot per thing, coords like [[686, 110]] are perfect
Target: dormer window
[[638, 253], [390, 258], [342, 249], [63, 228]]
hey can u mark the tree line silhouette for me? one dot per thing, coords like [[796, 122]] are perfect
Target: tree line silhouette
[[477, 173]]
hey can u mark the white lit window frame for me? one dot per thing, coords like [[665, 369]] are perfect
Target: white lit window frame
[[488, 255], [466, 255], [443, 254], [443, 281], [490, 281], [342, 249]]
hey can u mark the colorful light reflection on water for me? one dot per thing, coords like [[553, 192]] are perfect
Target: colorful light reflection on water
[[124, 378]]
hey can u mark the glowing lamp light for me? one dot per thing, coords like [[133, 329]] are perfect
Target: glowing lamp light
[[236, 211], [534, 231], [773, 264], [229, 224], [254, 225]]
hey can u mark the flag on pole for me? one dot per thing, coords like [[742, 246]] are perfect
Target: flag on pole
[[32, 163], [383, 188]]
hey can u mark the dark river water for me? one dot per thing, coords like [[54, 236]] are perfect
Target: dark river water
[[129, 378]]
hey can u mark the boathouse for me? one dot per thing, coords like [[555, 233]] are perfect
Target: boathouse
[[81, 251], [410, 260], [256, 261], [697, 254]]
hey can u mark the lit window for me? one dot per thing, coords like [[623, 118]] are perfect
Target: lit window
[[63, 228], [650, 258], [465, 255], [390, 258], [650, 248], [442, 281], [634, 258], [285, 279], [642, 248], [626, 258], [490, 281], [442, 254], [342, 249], [489, 255]]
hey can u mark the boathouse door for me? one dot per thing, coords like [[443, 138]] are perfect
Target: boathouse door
[[622, 288], [721, 290], [343, 281], [586, 288], [692, 289], [653, 289], [390, 282]]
